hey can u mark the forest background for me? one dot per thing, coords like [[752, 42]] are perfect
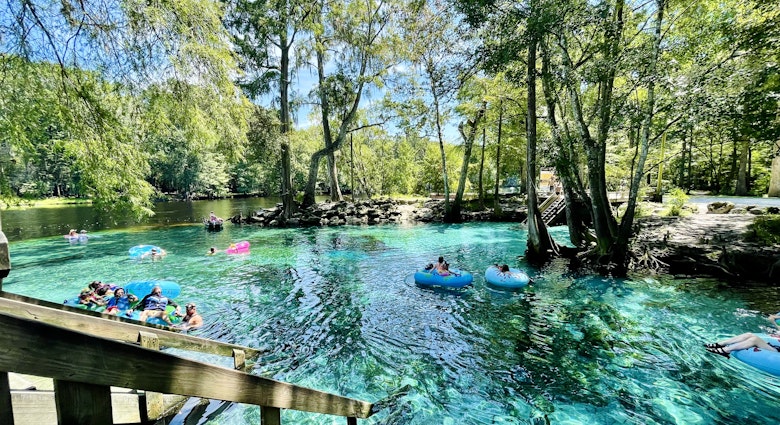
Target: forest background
[[124, 102]]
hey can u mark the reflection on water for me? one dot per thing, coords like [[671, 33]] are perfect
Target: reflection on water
[[337, 311], [31, 223]]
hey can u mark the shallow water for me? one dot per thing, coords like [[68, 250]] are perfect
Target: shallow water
[[337, 310]]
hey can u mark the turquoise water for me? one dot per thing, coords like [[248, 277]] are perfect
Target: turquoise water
[[337, 311]]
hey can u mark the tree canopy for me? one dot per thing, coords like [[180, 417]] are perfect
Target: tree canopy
[[124, 101]]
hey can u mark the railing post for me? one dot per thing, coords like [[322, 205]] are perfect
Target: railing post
[[84, 404], [239, 360], [270, 415], [6, 411], [153, 408]]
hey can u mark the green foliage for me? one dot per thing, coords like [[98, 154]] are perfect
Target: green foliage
[[81, 124], [765, 230], [677, 201], [102, 122], [191, 140]]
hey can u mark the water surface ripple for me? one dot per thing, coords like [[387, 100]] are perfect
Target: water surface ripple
[[337, 309]]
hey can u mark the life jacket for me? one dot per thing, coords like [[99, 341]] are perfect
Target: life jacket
[[122, 303], [153, 302]]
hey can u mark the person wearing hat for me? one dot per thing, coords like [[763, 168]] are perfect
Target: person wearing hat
[[192, 319]]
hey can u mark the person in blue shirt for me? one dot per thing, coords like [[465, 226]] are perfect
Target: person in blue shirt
[[120, 301], [154, 305]]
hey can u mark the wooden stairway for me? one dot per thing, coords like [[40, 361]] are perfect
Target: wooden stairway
[[551, 209], [554, 210]]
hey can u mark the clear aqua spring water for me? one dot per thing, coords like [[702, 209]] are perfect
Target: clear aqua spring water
[[336, 309]]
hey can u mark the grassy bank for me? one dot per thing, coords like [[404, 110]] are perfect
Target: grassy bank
[[10, 203]]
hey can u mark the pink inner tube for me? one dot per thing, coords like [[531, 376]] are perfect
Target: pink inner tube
[[240, 248]]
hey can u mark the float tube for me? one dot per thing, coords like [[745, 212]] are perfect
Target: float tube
[[74, 302], [766, 360], [140, 251], [82, 237], [142, 288], [515, 279], [169, 310], [239, 248], [456, 278]]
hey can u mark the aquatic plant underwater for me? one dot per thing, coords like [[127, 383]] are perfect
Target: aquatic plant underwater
[[336, 310]]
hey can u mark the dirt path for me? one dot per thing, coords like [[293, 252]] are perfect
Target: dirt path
[[707, 245], [700, 229]]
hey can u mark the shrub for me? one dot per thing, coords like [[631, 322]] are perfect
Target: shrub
[[677, 201], [765, 229]]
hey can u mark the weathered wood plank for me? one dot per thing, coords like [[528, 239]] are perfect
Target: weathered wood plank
[[82, 403], [152, 400], [20, 382], [37, 348], [239, 360], [38, 408], [108, 326]]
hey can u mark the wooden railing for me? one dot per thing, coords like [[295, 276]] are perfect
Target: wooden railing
[[549, 202], [113, 327], [86, 354]]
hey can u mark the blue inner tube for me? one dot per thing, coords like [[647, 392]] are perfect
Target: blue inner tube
[[516, 278], [139, 251], [766, 360], [456, 278], [142, 288]]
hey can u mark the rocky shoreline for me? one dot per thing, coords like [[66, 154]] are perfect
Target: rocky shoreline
[[707, 241], [378, 211]]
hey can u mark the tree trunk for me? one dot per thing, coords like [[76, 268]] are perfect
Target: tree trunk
[[314, 165], [742, 175], [480, 189], [333, 178], [352, 168], [620, 252], [689, 177], [604, 223], [681, 170], [566, 164], [440, 136], [468, 143], [331, 144], [288, 193], [774, 179], [496, 200], [540, 245]]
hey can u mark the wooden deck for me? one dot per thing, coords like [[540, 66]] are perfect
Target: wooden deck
[[33, 402]]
